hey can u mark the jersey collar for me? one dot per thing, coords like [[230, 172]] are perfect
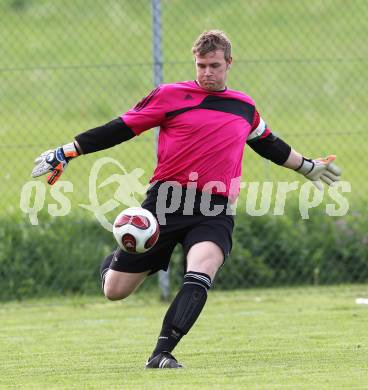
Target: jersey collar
[[221, 90]]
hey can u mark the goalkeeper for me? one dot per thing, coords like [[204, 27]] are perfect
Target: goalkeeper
[[204, 129]]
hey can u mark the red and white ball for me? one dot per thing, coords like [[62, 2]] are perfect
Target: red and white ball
[[136, 230]]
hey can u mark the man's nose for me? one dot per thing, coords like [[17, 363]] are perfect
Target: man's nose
[[207, 71]]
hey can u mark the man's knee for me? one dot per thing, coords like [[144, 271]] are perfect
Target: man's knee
[[119, 285], [114, 293], [114, 287], [205, 257]]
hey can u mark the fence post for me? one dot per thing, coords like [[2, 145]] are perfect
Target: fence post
[[163, 277]]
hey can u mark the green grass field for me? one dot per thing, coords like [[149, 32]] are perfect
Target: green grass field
[[300, 338], [68, 67]]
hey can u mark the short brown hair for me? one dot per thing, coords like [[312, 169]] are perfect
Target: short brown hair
[[210, 41]]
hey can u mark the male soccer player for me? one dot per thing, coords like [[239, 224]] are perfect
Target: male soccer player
[[204, 127]]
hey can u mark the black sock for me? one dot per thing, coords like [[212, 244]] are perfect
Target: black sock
[[105, 267], [183, 311]]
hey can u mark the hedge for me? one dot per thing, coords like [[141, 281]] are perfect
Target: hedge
[[63, 255]]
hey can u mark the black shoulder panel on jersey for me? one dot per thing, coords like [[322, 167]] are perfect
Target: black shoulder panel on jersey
[[218, 103], [272, 148], [104, 137]]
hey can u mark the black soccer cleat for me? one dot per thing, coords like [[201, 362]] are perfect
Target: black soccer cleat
[[163, 360]]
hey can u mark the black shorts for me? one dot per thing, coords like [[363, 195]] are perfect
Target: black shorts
[[184, 229]]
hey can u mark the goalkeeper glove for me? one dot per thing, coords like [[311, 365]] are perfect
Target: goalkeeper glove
[[320, 169], [54, 161]]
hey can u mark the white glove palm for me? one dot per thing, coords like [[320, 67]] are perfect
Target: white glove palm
[[320, 169]]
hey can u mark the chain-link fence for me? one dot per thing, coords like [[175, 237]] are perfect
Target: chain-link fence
[[69, 66]]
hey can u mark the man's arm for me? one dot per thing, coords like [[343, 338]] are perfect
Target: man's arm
[[148, 113], [275, 149], [99, 138], [103, 137], [294, 161], [266, 144]]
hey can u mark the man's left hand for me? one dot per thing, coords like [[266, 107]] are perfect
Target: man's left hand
[[320, 169]]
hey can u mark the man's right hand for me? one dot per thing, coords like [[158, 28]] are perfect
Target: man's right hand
[[54, 161]]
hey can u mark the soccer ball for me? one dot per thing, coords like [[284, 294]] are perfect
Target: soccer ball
[[136, 230]]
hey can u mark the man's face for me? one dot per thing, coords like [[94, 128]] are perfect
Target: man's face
[[212, 70]]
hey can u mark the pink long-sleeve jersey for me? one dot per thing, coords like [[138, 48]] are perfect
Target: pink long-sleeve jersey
[[202, 134]]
